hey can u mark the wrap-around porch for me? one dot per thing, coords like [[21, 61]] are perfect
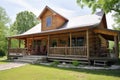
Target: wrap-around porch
[[78, 44], [68, 44]]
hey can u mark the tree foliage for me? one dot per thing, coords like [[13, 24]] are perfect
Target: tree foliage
[[116, 26], [3, 16], [4, 19], [105, 5], [24, 21]]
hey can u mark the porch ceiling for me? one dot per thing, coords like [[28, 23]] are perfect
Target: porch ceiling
[[108, 37], [107, 33]]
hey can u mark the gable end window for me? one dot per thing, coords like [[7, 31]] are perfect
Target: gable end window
[[48, 21]]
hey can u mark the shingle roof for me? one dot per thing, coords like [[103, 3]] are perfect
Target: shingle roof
[[35, 29], [80, 21], [73, 22]]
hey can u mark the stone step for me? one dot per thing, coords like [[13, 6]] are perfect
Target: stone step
[[34, 56], [25, 61], [30, 59]]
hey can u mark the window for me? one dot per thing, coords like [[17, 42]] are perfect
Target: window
[[48, 21], [79, 41], [54, 43]]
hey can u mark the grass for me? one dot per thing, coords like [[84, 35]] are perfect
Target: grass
[[39, 72], [3, 60]]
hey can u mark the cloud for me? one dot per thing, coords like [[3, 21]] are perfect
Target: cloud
[[26, 5], [65, 10], [110, 20]]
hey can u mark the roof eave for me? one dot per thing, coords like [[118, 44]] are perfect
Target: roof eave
[[52, 31]]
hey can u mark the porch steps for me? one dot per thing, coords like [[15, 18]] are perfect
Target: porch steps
[[100, 62], [31, 59]]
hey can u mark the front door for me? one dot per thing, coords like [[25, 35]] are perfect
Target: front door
[[40, 47]]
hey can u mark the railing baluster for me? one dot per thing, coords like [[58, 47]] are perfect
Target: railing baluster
[[17, 51], [75, 51]]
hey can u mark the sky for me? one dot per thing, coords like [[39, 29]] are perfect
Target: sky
[[70, 7]]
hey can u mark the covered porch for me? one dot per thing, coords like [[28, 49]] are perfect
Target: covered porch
[[63, 43], [74, 43], [105, 52]]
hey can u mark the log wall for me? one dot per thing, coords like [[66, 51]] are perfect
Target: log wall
[[57, 20]]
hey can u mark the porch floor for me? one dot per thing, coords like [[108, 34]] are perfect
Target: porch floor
[[67, 58]]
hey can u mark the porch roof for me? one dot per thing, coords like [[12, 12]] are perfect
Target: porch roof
[[107, 33], [50, 32], [73, 23]]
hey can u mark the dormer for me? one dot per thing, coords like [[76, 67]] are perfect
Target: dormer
[[51, 20]]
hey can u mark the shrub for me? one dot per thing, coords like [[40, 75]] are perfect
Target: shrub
[[2, 53], [75, 63], [55, 63]]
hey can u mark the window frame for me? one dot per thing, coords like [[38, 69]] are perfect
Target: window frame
[[48, 21], [76, 41]]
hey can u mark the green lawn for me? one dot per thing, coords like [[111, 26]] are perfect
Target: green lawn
[[39, 72]]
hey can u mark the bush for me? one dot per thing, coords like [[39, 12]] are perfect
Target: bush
[[55, 63], [2, 53], [75, 63]]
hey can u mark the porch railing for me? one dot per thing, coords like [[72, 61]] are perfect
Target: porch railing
[[17, 51], [68, 51]]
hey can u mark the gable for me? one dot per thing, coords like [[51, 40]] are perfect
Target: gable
[[55, 22], [47, 8], [103, 23]]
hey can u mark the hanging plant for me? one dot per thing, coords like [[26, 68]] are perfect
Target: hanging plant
[[62, 41]]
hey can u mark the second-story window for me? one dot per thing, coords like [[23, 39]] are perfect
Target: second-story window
[[48, 21]]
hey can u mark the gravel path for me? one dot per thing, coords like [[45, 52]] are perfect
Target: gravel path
[[11, 65]]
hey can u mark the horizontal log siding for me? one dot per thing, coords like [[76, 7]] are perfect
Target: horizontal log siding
[[57, 20]]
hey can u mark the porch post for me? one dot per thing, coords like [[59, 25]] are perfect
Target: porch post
[[70, 42], [25, 43], [87, 43], [33, 47], [9, 46], [19, 43], [48, 51], [116, 46]]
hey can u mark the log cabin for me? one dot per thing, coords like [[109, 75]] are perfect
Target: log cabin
[[57, 37]]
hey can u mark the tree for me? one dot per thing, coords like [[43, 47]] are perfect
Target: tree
[[116, 26], [3, 41], [3, 16], [105, 5], [24, 21], [4, 19]]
